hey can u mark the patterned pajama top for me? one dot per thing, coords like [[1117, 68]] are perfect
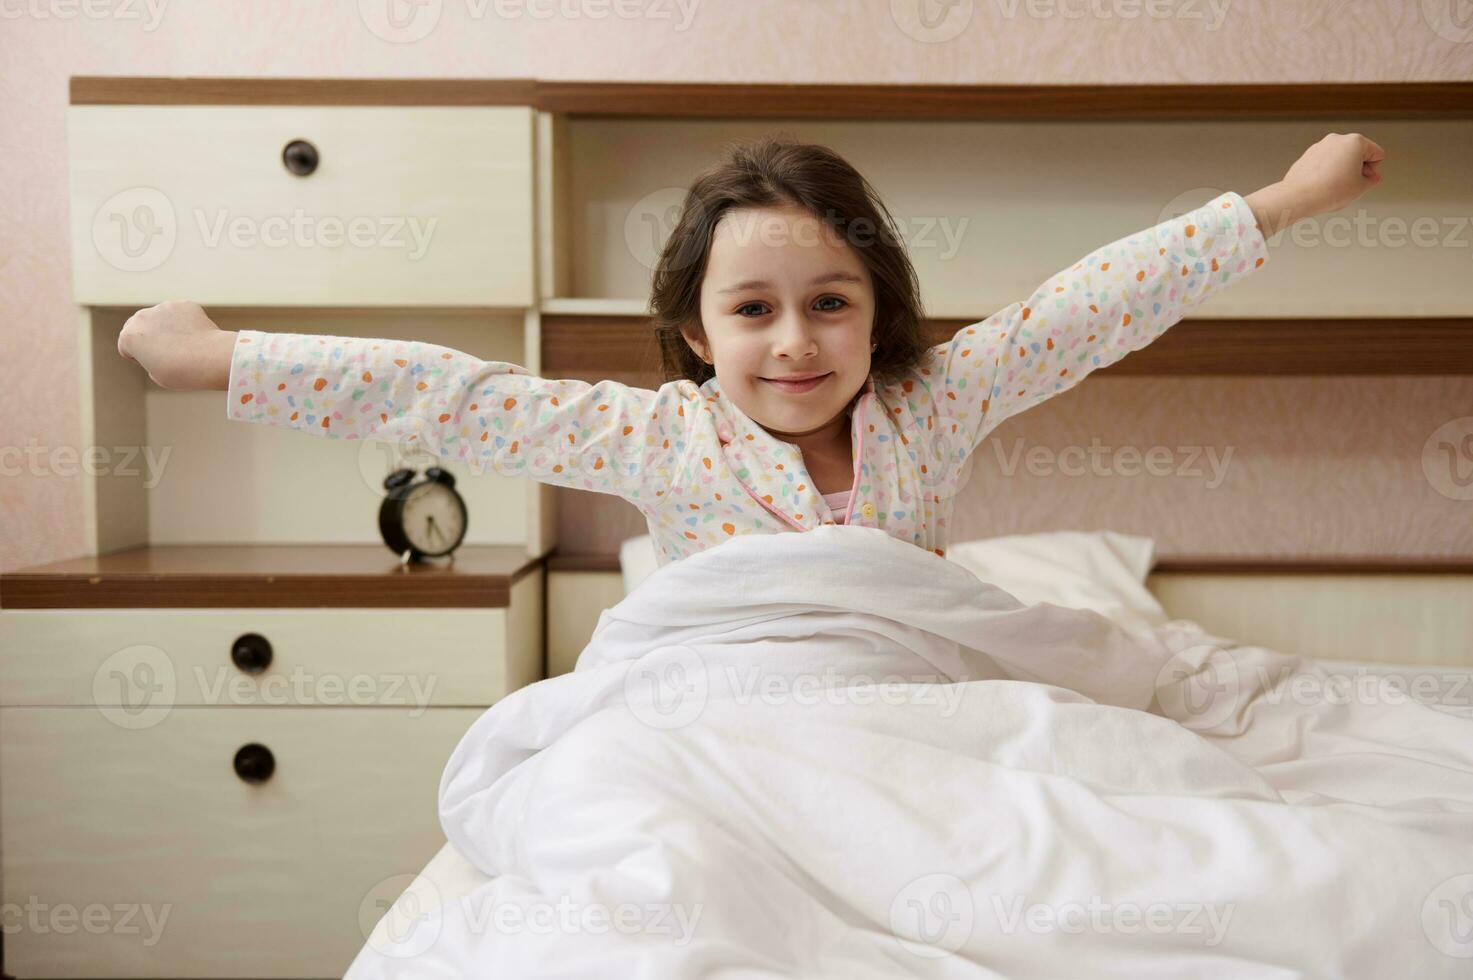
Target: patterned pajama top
[[699, 469]]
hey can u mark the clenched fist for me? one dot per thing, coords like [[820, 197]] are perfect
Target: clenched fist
[[1329, 175], [1335, 171], [178, 346]]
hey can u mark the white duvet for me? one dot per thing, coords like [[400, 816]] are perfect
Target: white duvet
[[834, 754]]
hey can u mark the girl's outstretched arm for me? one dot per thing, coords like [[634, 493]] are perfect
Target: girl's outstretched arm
[[1123, 295], [605, 437], [1115, 300]]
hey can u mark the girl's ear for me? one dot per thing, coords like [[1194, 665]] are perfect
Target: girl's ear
[[697, 344]]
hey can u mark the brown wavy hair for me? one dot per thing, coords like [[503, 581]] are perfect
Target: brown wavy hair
[[774, 171]]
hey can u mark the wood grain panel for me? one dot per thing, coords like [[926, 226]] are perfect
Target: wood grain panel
[[203, 90], [686, 100], [1447, 100], [622, 348], [286, 576]]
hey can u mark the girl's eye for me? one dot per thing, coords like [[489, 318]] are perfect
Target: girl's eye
[[832, 309]]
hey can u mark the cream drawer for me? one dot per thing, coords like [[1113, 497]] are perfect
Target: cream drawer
[[181, 868], [403, 205], [136, 665]]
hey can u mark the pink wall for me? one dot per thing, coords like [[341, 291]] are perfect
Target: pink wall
[[43, 42]]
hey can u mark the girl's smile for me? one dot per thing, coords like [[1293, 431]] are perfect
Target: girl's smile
[[798, 383]]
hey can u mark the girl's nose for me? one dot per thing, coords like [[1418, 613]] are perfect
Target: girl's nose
[[793, 338]]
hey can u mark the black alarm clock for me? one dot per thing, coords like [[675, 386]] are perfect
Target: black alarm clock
[[422, 519]]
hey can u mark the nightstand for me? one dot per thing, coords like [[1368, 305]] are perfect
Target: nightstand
[[223, 761]]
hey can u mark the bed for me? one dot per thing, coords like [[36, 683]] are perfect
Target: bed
[[1119, 788]]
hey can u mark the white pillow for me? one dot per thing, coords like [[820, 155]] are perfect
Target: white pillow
[[1100, 570]]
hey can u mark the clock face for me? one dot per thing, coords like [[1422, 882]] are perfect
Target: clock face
[[434, 520]]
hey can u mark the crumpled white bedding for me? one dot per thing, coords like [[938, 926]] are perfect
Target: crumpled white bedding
[[833, 754]]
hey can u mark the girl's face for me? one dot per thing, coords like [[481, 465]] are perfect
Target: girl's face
[[784, 297]]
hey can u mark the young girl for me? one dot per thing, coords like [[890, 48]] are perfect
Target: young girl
[[799, 391]]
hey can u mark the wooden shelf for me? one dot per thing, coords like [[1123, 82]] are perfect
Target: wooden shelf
[[256, 576], [683, 100], [623, 348]]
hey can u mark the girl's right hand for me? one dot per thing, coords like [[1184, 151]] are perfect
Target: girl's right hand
[[1334, 172], [178, 346]]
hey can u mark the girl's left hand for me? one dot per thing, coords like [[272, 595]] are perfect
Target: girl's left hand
[[1333, 173]]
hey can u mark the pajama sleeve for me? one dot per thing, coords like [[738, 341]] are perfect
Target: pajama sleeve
[[1115, 300], [605, 437]]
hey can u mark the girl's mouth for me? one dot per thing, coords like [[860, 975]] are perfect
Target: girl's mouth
[[799, 386]]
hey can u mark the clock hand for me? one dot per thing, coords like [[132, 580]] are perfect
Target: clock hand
[[435, 528]]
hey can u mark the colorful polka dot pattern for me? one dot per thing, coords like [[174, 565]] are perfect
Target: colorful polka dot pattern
[[698, 468], [1115, 300]]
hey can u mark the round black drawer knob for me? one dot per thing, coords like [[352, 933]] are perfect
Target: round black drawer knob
[[254, 763], [300, 157], [251, 652]]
